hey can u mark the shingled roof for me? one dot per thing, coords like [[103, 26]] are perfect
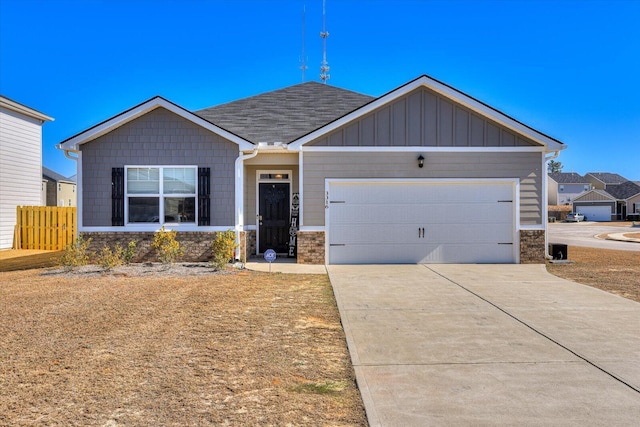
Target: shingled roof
[[608, 177], [285, 115], [55, 176], [568, 178], [624, 191]]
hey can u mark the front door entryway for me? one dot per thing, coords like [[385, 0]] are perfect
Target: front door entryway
[[273, 216]]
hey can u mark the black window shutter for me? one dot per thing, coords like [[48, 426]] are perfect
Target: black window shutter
[[204, 196], [117, 196]]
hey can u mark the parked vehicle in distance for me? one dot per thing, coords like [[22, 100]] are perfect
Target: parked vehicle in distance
[[575, 217]]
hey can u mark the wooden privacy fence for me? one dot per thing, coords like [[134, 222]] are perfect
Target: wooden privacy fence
[[44, 227]]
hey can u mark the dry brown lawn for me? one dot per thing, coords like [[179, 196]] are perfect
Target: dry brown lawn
[[189, 347], [242, 348], [613, 271]]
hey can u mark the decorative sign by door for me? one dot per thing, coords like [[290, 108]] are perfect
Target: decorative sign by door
[[293, 226]]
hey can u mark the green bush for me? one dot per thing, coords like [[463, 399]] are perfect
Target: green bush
[[166, 245], [76, 254], [129, 252], [223, 248], [108, 259]]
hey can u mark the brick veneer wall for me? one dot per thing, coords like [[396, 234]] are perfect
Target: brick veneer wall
[[196, 245], [251, 243], [310, 247], [532, 249]]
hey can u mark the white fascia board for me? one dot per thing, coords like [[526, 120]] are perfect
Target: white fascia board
[[157, 102], [446, 91], [418, 149], [23, 109]]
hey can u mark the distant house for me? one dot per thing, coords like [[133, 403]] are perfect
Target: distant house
[[59, 190], [617, 202], [424, 173], [602, 180], [564, 187], [20, 163]]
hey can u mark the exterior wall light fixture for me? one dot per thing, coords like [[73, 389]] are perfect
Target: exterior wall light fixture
[[420, 161]]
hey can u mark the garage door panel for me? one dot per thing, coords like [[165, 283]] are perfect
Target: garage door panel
[[595, 213], [382, 222], [402, 254]]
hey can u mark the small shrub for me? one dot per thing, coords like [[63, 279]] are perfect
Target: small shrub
[[129, 252], [166, 245], [108, 259], [223, 247], [76, 254]]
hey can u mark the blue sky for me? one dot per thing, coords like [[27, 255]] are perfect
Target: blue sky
[[570, 69]]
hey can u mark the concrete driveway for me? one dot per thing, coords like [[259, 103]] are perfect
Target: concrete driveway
[[488, 345]]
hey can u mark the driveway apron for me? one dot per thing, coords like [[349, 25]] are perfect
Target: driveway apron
[[488, 345]]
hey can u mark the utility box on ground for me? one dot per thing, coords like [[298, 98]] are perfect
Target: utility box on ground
[[558, 251]]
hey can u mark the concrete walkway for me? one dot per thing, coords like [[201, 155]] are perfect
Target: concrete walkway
[[488, 345]]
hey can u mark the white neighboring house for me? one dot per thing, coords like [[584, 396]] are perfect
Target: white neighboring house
[[563, 187], [20, 163]]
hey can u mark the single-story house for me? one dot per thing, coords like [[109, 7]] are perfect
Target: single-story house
[[20, 163], [563, 187], [424, 173], [58, 189], [615, 203]]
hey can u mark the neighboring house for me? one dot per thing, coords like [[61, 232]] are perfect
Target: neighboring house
[[60, 190], [615, 203], [424, 173], [20, 163], [563, 187], [603, 180]]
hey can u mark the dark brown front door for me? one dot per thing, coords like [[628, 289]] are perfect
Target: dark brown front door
[[274, 217]]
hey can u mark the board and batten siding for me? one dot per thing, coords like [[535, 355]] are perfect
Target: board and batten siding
[[159, 137], [594, 196], [20, 168], [423, 118], [527, 167]]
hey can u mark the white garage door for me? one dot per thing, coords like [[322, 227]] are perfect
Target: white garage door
[[421, 222], [595, 213]]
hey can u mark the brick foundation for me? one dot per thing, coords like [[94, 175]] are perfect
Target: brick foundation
[[532, 249], [196, 245], [311, 247]]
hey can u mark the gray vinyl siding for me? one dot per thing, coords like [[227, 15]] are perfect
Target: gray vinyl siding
[[423, 118], [527, 167], [159, 137]]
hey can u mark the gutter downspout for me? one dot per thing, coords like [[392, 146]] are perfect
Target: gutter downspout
[[79, 199], [545, 216], [239, 219]]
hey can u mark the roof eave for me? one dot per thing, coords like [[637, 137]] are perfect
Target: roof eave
[[72, 144]]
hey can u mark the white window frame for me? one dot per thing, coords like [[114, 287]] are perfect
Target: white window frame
[[160, 195]]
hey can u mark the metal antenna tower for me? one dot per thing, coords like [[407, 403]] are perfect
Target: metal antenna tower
[[303, 59], [324, 67]]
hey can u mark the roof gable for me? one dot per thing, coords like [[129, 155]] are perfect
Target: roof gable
[[594, 195], [286, 114], [55, 176], [71, 144], [446, 91]]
